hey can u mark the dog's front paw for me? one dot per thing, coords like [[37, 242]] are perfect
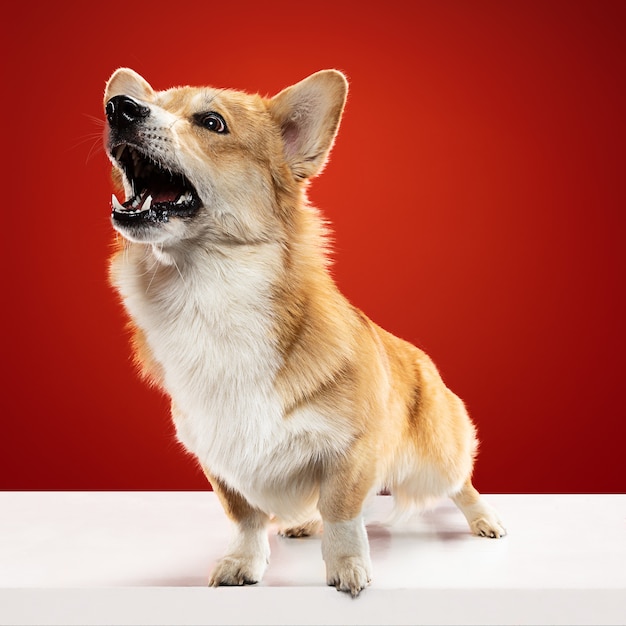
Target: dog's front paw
[[236, 570], [349, 573]]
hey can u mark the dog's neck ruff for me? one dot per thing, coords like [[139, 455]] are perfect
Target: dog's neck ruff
[[208, 320]]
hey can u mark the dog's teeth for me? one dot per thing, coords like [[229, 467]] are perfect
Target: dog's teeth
[[119, 151], [116, 203], [147, 204], [185, 198]]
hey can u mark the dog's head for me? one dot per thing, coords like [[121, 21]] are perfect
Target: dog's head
[[222, 165]]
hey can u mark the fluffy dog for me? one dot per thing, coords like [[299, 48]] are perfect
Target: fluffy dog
[[296, 405]]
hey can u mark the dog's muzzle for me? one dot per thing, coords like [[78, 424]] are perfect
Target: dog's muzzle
[[156, 192]]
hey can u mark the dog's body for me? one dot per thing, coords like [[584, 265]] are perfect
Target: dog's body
[[296, 405]]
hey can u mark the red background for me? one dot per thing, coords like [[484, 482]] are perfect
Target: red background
[[476, 190]]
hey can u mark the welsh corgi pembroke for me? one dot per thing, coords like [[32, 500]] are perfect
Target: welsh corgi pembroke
[[296, 405]]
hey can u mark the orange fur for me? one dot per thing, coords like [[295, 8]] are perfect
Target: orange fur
[[238, 319]]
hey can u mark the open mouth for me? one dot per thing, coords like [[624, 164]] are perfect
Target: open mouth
[[158, 192]]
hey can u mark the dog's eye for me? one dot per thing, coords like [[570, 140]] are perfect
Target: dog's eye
[[213, 121]]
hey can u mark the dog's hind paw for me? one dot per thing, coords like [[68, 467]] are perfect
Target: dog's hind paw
[[482, 518], [488, 526], [307, 529], [235, 570]]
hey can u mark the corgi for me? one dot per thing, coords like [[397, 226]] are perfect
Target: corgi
[[296, 405]]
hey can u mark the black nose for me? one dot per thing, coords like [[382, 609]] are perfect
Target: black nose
[[123, 111]]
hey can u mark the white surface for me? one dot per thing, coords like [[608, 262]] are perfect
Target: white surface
[[144, 558]]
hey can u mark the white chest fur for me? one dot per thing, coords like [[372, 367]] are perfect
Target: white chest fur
[[209, 324]]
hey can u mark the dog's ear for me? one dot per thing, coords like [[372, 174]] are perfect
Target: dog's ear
[[308, 114], [126, 82]]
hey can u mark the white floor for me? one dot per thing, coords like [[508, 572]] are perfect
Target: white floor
[[144, 558]]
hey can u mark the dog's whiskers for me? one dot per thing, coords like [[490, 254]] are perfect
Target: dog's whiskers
[[155, 266], [94, 137], [178, 270]]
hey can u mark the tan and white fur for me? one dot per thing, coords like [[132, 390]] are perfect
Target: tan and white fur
[[296, 405]]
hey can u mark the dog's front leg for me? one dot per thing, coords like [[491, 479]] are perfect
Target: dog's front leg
[[345, 547], [249, 550]]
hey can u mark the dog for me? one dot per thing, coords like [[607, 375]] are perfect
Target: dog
[[296, 405]]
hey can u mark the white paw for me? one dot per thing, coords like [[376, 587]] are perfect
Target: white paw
[[349, 573], [488, 525], [345, 549], [235, 570]]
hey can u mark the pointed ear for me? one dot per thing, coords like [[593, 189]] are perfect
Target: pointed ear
[[308, 114], [126, 82]]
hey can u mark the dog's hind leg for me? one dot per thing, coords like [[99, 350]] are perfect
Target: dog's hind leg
[[312, 527], [482, 518], [248, 553]]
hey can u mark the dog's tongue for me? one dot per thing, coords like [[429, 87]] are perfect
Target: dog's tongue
[[165, 197], [163, 194]]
